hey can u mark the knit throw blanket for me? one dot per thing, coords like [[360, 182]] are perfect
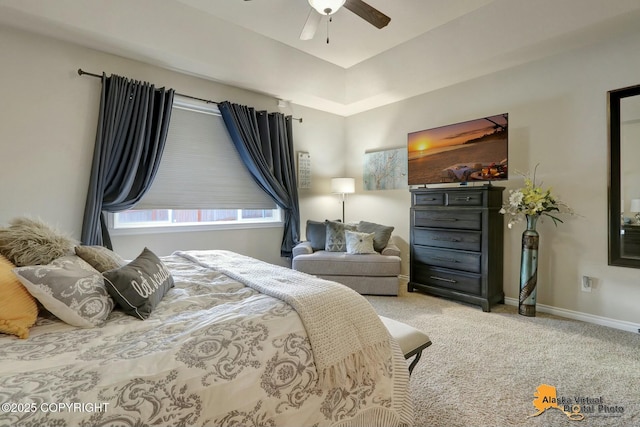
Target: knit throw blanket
[[347, 337]]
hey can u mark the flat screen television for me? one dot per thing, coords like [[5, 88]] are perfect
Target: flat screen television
[[471, 151]]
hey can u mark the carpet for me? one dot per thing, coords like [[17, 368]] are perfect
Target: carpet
[[484, 369]]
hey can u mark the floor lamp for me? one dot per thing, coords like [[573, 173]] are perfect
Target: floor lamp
[[343, 186]]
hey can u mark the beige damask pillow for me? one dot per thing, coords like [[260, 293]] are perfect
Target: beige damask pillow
[[100, 258]]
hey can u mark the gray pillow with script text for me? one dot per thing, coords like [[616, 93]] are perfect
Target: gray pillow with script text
[[139, 286]]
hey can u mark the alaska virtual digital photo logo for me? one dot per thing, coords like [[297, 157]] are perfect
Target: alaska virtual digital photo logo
[[575, 408]]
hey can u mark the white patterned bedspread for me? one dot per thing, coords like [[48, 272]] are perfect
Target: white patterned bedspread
[[213, 353]]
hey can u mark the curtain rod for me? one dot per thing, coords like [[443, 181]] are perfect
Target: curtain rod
[[81, 72]]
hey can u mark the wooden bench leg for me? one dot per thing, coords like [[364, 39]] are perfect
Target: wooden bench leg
[[415, 361], [411, 340]]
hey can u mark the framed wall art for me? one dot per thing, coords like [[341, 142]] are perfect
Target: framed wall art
[[385, 169]]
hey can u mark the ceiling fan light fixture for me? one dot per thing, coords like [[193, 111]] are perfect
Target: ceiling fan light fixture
[[326, 7]]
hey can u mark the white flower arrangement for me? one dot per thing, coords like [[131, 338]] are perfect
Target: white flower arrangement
[[535, 201]]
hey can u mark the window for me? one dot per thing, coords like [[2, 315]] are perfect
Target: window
[[201, 181], [189, 218]]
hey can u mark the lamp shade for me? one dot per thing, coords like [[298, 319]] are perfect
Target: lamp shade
[[326, 7], [345, 185], [635, 205]]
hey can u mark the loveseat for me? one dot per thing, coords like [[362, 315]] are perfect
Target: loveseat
[[361, 256]]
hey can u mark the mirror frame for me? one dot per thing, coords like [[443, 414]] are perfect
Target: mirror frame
[[614, 97]]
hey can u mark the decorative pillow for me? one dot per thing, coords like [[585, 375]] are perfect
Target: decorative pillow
[[70, 289], [32, 242], [139, 286], [100, 258], [381, 233], [317, 234], [359, 243], [335, 239], [18, 309]]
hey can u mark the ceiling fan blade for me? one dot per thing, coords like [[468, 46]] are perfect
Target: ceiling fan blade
[[310, 27], [368, 13]]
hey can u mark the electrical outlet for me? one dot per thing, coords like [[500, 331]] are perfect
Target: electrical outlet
[[587, 283]]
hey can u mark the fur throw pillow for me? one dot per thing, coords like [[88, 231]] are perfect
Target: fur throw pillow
[[32, 242]]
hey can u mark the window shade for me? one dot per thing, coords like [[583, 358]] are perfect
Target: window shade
[[200, 167]]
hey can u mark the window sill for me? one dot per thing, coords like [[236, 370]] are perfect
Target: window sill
[[192, 228]]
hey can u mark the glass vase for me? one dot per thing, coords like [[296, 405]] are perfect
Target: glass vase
[[529, 268]]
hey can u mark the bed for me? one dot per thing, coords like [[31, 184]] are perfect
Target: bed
[[234, 342]]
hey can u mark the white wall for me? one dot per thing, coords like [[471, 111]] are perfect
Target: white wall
[[322, 136], [48, 118], [558, 118]]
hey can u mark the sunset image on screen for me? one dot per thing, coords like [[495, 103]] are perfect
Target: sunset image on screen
[[472, 150]]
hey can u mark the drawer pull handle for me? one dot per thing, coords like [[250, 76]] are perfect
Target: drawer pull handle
[[466, 199], [445, 219], [446, 239], [445, 259], [442, 279]]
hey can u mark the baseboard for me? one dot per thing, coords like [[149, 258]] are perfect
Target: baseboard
[[403, 281], [562, 312], [585, 317]]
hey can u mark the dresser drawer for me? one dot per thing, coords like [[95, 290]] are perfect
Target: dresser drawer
[[429, 199], [463, 282], [464, 198], [464, 240], [448, 198], [461, 220], [458, 260]]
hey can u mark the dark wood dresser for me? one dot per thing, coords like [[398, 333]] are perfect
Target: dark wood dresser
[[457, 244]]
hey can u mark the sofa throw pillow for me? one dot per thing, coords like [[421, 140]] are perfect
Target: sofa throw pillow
[[381, 233], [335, 239], [70, 289], [100, 258], [32, 242], [359, 243], [316, 234], [139, 286], [18, 309]]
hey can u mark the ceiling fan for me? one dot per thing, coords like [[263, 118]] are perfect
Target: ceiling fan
[[320, 8]]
